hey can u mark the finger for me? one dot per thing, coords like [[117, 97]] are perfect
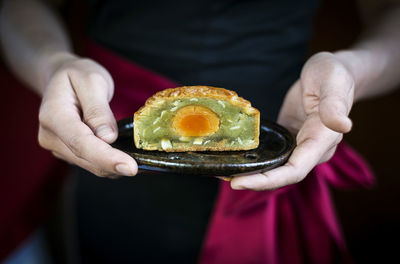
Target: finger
[[314, 140], [51, 142], [80, 139], [303, 159], [83, 164], [93, 92], [328, 88], [61, 151], [290, 116], [335, 104], [328, 155]]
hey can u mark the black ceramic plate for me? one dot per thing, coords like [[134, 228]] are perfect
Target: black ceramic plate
[[276, 144]]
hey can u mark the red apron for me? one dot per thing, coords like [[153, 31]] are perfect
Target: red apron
[[295, 224], [30, 178]]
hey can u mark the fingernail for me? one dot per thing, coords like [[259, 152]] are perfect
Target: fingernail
[[105, 132], [124, 169]]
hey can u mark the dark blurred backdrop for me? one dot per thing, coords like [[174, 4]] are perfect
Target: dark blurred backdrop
[[370, 218]]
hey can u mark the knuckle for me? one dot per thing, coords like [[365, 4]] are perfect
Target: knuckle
[[322, 55], [71, 71], [335, 141], [340, 74], [45, 122], [316, 60], [59, 74], [298, 178], [298, 175], [94, 114], [59, 156], [65, 70], [44, 116], [96, 79], [338, 139], [48, 113], [328, 155], [42, 140], [75, 143], [100, 172], [86, 61], [325, 64]]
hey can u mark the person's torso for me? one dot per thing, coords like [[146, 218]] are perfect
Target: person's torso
[[255, 47]]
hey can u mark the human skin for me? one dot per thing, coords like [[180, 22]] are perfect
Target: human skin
[[37, 49], [316, 107]]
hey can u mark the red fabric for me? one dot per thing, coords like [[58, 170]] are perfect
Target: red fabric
[[295, 224], [30, 177], [28, 184]]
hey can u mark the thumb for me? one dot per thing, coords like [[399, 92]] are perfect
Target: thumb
[[99, 117], [94, 96], [336, 99]]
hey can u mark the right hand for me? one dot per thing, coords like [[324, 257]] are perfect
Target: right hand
[[76, 122]]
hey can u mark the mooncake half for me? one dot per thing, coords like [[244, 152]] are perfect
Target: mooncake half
[[196, 118]]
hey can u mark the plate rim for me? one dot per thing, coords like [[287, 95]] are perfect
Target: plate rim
[[126, 126]]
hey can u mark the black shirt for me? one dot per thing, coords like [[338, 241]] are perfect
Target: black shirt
[[254, 47]]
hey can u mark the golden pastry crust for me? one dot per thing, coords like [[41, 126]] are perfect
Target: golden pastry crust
[[199, 91], [173, 94]]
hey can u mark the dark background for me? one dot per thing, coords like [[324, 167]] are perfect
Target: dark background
[[370, 218]]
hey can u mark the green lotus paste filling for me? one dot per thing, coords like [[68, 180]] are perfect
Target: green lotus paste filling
[[236, 127]]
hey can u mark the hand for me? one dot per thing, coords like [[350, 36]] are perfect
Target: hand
[[316, 108], [76, 122]]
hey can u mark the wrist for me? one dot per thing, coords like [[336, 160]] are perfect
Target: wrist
[[365, 66], [52, 61]]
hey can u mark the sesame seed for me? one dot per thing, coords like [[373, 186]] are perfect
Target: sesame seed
[[198, 141], [156, 120], [165, 144]]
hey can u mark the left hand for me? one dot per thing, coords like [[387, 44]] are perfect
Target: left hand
[[316, 108]]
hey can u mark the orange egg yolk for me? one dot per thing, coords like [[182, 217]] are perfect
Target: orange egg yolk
[[195, 121]]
